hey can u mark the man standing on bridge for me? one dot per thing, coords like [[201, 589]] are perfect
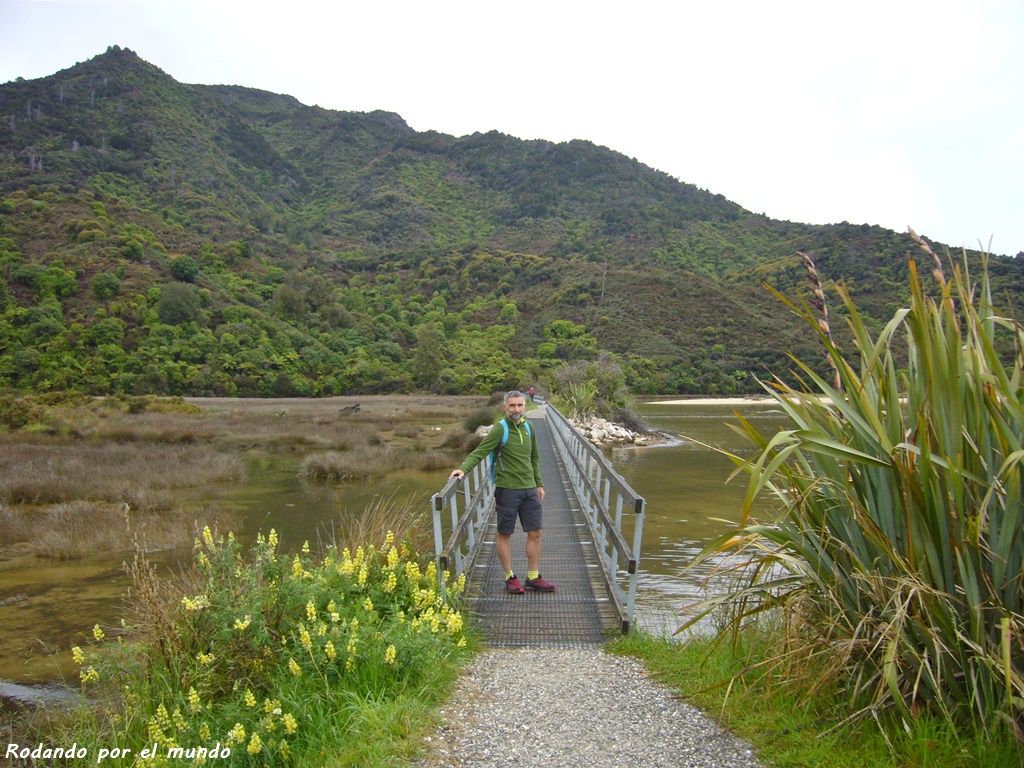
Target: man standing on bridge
[[518, 491]]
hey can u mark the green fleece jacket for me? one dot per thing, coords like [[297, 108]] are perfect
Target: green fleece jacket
[[519, 466]]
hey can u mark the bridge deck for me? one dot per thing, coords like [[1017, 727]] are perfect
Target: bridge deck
[[580, 611]]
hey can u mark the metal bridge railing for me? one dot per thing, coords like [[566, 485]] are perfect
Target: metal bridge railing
[[469, 502], [605, 497]]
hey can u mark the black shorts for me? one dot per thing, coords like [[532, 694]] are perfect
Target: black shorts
[[523, 503]]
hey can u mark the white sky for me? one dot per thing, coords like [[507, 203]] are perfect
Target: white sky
[[899, 113]]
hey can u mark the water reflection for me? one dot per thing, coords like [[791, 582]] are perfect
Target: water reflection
[[689, 500]]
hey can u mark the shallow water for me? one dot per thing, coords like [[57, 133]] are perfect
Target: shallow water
[[56, 603], [689, 501]]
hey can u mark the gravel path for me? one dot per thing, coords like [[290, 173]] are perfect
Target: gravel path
[[574, 708]]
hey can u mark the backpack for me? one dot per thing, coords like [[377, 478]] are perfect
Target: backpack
[[496, 453]]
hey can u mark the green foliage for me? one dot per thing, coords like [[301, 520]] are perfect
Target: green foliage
[[178, 304], [16, 412], [184, 268], [898, 551], [105, 285], [268, 654]]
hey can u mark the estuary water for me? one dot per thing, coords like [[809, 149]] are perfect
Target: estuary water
[[48, 606], [691, 499]]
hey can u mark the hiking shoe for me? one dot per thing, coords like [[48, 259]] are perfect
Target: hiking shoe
[[540, 584], [512, 585]]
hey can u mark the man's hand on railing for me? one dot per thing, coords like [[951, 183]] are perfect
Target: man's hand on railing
[[457, 474]]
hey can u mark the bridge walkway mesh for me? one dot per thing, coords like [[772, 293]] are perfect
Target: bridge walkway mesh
[[580, 611]]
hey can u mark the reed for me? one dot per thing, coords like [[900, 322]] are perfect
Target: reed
[[897, 552]]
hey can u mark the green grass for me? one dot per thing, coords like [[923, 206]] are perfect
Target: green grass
[[794, 725]]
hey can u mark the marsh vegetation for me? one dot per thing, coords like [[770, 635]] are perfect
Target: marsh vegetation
[[86, 475]]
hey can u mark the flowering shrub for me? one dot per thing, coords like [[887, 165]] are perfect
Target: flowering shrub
[[267, 650]]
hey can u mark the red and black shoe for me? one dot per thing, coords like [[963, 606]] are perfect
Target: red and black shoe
[[540, 584], [512, 585]]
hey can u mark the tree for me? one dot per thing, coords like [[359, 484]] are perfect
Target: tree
[[178, 304], [429, 358], [105, 285], [184, 268]]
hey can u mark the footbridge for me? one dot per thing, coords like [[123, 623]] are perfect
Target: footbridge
[[593, 524]]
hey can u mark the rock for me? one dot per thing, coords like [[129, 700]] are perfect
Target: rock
[[606, 434]]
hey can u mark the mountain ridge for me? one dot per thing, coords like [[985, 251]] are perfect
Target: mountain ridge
[[351, 236]]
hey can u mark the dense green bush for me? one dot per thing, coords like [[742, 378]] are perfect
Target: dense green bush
[[269, 655], [105, 285]]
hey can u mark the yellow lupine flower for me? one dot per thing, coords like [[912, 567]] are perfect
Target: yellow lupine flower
[[363, 574], [297, 569], [236, 734], [179, 720], [272, 539], [194, 702], [462, 642], [290, 725], [294, 667], [89, 674], [360, 555], [208, 537], [390, 654], [243, 623], [368, 604], [305, 547], [205, 658], [77, 655], [329, 651], [97, 633], [196, 603], [304, 638], [204, 732], [311, 611], [250, 700], [454, 623], [255, 744]]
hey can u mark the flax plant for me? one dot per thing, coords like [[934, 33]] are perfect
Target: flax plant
[[897, 552]]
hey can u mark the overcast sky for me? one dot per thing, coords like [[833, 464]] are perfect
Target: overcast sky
[[898, 113]]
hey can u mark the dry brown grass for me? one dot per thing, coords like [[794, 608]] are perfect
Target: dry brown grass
[[64, 489], [406, 520], [72, 530], [109, 472]]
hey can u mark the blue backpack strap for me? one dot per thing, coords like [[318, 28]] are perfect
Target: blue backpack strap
[[496, 453]]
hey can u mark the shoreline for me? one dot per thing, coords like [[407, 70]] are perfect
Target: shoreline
[[747, 400]]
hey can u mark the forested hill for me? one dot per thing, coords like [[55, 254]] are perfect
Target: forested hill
[[157, 237]]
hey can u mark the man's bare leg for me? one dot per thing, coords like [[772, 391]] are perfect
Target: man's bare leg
[[503, 546]]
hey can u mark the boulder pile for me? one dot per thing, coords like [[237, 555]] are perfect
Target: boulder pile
[[607, 434]]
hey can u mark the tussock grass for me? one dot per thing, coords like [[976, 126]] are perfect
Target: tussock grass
[[372, 525], [75, 529], [374, 461], [141, 452], [113, 472]]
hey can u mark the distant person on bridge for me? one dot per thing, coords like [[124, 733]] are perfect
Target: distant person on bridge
[[518, 491]]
